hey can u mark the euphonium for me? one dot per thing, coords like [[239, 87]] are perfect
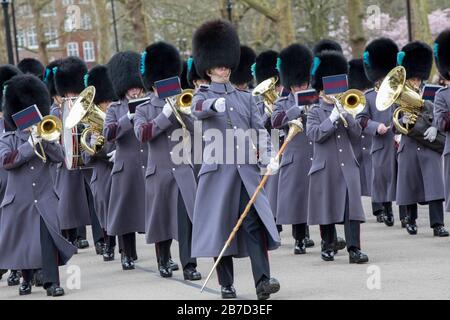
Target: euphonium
[[267, 89], [396, 90], [49, 129], [84, 111]]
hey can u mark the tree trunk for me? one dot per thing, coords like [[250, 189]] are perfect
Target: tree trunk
[[139, 23], [285, 25], [3, 53], [36, 7], [103, 26], [357, 37]]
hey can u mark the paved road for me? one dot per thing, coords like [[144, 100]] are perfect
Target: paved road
[[409, 268]]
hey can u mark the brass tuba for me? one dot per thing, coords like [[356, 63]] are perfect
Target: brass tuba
[[267, 89], [85, 112], [395, 90]]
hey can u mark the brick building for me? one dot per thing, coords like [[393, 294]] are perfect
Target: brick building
[[69, 27]]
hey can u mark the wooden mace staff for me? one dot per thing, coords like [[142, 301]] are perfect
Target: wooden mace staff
[[295, 127]]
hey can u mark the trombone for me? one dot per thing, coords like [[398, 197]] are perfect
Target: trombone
[[352, 101], [182, 105], [49, 129], [267, 89]]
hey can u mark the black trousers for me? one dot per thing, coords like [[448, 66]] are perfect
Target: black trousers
[[163, 252], [185, 235], [110, 241], [436, 212], [50, 259], [70, 234], [403, 212], [300, 231], [127, 244], [256, 242], [377, 208], [352, 231]]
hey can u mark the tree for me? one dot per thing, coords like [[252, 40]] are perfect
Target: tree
[[37, 6], [3, 53], [357, 37], [138, 19], [103, 29]]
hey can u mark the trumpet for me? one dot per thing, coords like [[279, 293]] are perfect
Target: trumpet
[[267, 89], [49, 129], [352, 101], [182, 105]]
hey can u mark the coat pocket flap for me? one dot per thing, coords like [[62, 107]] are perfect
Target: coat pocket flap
[[151, 169], [377, 145], [317, 166], [287, 160], [206, 168], [118, 167], [7, 200], [401, 147]]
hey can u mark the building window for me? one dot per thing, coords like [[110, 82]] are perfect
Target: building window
[[86, 22], [49, 9], [67, 2], [24, 10], [84, 1], [88, 51], [21, 41], [32, 38], [72, 49], [51, 35]]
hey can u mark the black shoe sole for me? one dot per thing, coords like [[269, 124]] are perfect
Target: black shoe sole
[[50, 294], [441, 236], [108, 259], [13, 284], [353, 261], [128, 268], [24, 293], [299, 252], [166, 275], [188, 278], [327, 259], [229, 296]]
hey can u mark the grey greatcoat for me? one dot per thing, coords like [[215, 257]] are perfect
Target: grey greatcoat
[[362, 147], [272, 183], [217, 203], [293, 185], [384, 159], [73, 209], [334, 174], [3, 173], [442, 119], [100, 183], [419, 172], [29, 197], [165, 178], [127, 201]]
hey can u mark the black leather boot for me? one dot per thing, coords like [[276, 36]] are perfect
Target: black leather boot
[[356, 256], [300, 247], [55, 291], [25, 288], [14, 278], [228, 292], [100, 248], [108, 254], [267, 287], [127, 263], [440, 232], [190, 273]]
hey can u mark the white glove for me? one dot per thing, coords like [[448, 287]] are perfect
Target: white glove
[[221, 105], [398, 138], [112, 156], [335, 115], [130, 116], [274, 166], [33, 140], [167, 110], [431, 134], [408, 118]]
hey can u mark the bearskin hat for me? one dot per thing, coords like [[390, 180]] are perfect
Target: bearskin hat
[[357, 78], [7, 71], [104, 90], [327, 63], [215, 44], [243, 73], [49, 76], [295, 65], [160, 61], [266, 66], [380, 57], [32, 66], [22, 92], [417, 58], [124, 72], [442, 53], [327, 45], [69, 77]]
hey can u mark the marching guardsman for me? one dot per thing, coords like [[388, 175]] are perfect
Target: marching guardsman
[[380, 57], [193, 78], [327, 45], [265, 68], [224, 190], [30, 233], [419, 177], [170, 186], [293, 186], [32, 66], [6, 73], [103, 161], [357, 79], [242, 77], [126, 214], [334, 185], [442, 102], [73, 209]]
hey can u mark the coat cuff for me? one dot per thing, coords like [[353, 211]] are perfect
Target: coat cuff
[[125, 123], [163, 122], [372, 127]]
